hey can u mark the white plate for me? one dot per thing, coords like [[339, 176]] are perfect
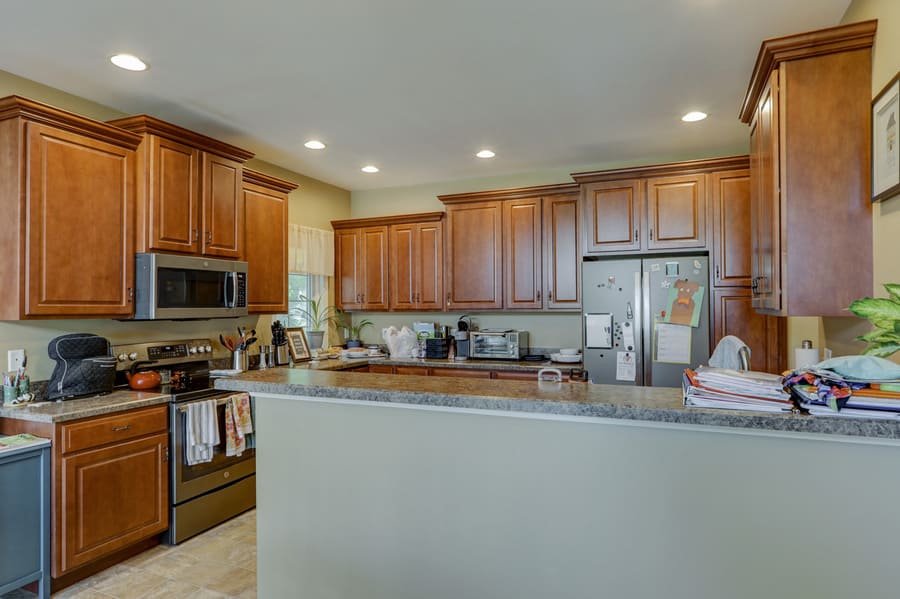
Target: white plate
[[565, 359]]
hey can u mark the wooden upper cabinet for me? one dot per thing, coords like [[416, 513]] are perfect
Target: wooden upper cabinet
[[361, 264], [676, 212], [416, 265], [173, 206], [67, 190], [765, 212], [474, 257], [809, 110], [372, 273], [522, 255], [612, 216], [347, 254], [562, 252], [266, 247], [190, 199], [223, 212], [730, 199]]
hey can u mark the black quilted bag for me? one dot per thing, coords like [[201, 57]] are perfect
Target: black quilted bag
[[84, 366]]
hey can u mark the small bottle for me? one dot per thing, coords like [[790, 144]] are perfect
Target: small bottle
[[451, 353]]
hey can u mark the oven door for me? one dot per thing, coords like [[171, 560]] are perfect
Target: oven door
[[491, 346], [191, 481]]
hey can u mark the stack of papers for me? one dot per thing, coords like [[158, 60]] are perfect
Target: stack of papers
[[735, 390]]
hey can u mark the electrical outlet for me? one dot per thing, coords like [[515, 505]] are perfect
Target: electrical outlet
[[15, 358]]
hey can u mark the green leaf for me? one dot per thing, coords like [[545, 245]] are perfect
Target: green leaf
[[882, 350], [878, 310], [893, 289], [880, 335]]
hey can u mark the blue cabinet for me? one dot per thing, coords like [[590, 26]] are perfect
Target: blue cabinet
[[25, 518]]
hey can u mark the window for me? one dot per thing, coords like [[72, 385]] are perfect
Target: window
[[301, 289]]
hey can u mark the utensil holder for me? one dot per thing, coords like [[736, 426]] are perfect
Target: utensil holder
[[240, 360]]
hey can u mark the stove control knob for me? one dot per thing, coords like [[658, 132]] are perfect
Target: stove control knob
[[193, 350], [132, 356], [200, 349], [208, 348], [122, 357]]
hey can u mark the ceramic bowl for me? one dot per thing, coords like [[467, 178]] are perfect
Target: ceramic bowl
[[569, 351]]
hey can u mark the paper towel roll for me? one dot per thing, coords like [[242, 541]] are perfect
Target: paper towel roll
[[805, 357]]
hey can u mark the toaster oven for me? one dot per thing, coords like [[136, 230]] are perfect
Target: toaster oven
[[492, 344]]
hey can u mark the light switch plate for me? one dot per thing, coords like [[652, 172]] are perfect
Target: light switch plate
[[14, 359]]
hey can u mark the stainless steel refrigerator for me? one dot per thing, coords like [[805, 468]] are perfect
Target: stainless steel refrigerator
[[645, 319]]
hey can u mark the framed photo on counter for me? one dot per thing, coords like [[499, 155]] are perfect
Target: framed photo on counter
[[297, 344], [886, 141]]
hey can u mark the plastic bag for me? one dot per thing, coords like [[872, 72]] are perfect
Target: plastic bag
[[402, 343]]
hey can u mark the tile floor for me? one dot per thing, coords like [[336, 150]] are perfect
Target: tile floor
[[216, 564]]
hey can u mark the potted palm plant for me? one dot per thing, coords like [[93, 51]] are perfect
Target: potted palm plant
[[353, 330], [318, 316]]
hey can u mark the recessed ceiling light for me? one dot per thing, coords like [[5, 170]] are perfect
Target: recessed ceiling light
[[315, 144], [485, 154], [128, 62], [369, 169], [694, 116]]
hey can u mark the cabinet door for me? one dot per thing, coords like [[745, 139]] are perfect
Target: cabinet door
[[174, 196], [372, 270], [110, 498], [765, 200], [223, 215], [474, 256], [347, 253], [430, 294], [80, 225], [265, 222], [612, 216], [730, 197], [764, 335], [676, 212], [403, 276], [522, 253], [562, 253]]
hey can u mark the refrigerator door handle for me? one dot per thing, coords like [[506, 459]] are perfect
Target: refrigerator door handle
[[647, 336]]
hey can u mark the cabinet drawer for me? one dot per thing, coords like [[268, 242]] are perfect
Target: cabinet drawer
[[94, 432], [470, 373]]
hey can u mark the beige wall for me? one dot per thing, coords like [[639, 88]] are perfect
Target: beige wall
[[314, 204]]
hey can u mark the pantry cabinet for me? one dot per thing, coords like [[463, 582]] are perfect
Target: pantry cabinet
[[808, 107], [67, 190], [189, 197], [265, 205]]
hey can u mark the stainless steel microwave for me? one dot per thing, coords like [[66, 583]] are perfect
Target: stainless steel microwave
[[498, 345], [178, 287]]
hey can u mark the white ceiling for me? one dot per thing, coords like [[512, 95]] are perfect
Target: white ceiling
[[418, 86]]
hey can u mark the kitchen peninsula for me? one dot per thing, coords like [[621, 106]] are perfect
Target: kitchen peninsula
[[408, 486]]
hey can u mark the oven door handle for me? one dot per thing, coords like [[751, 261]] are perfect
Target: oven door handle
[[219, 402]]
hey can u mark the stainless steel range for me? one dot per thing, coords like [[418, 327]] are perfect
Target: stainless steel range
[[205, 494]]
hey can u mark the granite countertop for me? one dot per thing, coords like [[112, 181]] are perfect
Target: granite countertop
[[522, 366], [73, 409], [653, 404]]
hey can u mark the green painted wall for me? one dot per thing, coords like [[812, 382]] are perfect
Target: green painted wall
[[314, 204]]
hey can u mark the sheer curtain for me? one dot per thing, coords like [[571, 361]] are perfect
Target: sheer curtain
[[311, 252]]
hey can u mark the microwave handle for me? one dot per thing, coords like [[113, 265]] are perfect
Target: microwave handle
[[230, 298]]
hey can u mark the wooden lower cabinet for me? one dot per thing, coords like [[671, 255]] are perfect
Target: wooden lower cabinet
[[764, 335], [111, 485], [469, 373], [380, 369], [521, 375], [419, 370]]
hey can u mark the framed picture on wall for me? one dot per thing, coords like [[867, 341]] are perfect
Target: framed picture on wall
[[886, 141], [297, 344]]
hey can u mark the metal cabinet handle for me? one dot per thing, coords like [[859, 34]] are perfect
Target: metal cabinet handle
[[448, 299], [635, 235], [119, 429], [539, 295], [196, 234], [130, 294], [754, 285], [209, 237], [550, 296], [166, 456], [717, 271], [651, 234]]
